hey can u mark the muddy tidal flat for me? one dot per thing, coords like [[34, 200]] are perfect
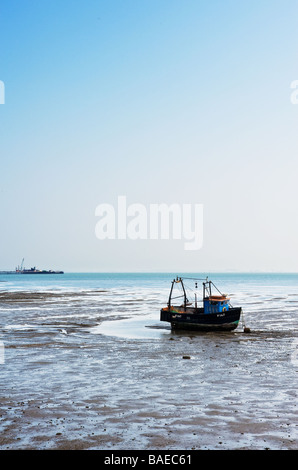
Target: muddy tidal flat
[[95, 369]]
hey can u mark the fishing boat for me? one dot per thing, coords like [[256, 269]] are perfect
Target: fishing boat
[[216, 314]]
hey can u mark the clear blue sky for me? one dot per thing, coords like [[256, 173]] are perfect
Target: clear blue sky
[[164, 101]]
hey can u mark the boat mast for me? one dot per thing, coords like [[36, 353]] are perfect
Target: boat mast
[[177, 280], [206, 289], [184, 293], [170, 296]]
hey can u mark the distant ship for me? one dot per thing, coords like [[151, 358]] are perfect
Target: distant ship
[[38, 271], [22, 270]]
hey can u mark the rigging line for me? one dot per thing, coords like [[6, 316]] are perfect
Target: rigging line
[[192, 289], [216, 288], [189, 291]]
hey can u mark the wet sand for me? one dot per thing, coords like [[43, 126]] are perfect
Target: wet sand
[[83, 384]]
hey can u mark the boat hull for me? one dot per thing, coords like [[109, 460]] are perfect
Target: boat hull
[[196, 319], [41, 272]]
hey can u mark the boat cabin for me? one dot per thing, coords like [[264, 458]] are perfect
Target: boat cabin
[[216, 304]]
